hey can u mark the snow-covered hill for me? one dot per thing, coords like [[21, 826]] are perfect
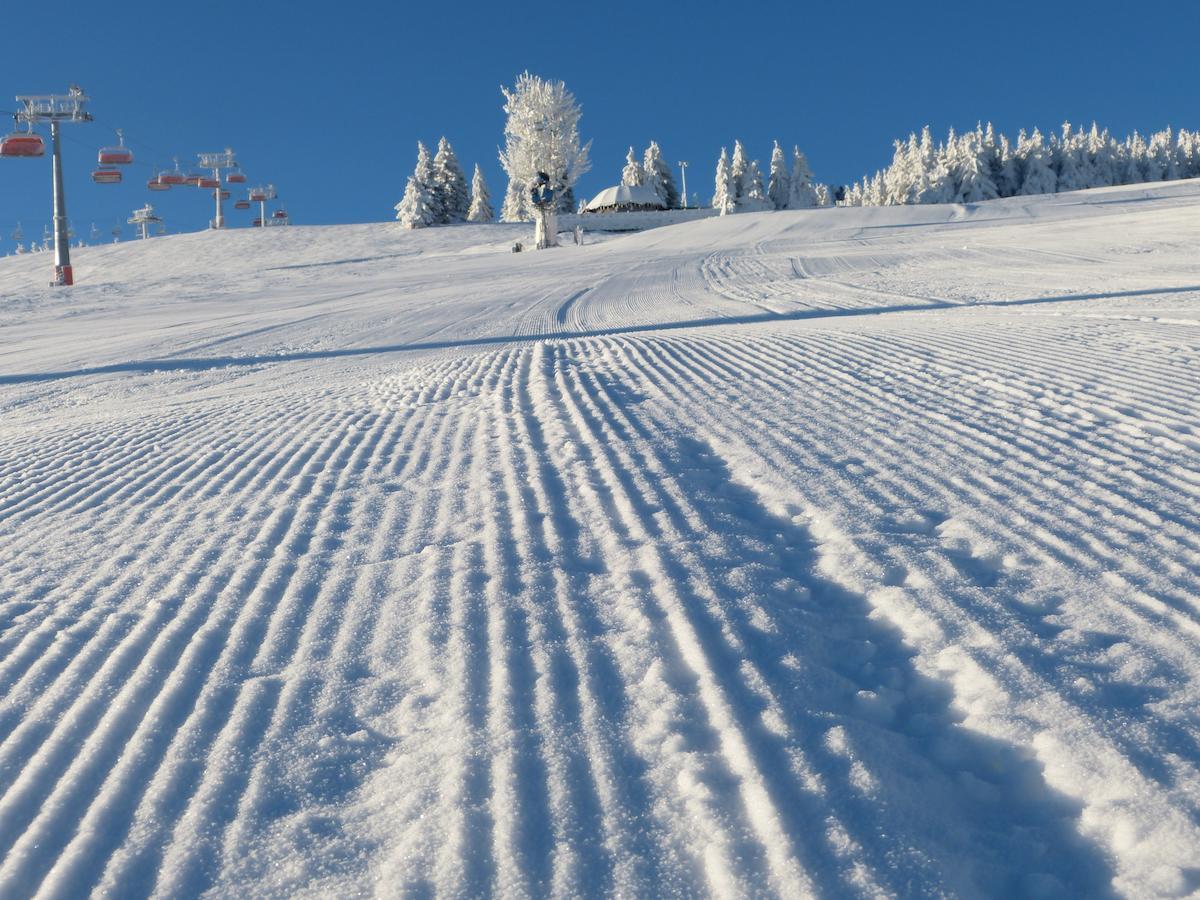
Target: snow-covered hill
[[845, 552]]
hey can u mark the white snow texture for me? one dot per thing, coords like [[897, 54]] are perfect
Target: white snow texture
[[844, 552]]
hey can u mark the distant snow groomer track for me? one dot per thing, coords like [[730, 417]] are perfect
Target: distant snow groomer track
[[838, 553]]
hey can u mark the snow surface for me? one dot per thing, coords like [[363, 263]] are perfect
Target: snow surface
[[846, 552]]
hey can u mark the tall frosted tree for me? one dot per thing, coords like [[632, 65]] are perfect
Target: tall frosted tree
[[427, 179], [754, 196], [658, 176], [1040, 177], [415, 209], [723, 200], [737, 171], [779, 184], [450, 184], [800, 186], [481, 202], [516, 203], [633, 174], [541, 144]]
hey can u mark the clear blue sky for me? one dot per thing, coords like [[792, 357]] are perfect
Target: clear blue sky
[[328, 99]]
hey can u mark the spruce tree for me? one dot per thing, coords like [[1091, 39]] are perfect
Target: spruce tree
[[723, 200], [633, 174], [481, 202], [737, 171], [415, 209], [755, 197], [450, 184], [516, 203], [425, 177], [658, 176], [800, 188], [779, 185]]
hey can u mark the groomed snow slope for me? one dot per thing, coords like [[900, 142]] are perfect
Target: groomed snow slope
[[846, 552]]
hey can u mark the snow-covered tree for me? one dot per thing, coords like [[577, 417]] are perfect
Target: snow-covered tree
[[754, 197], [481, 202], [415, 209], [426, 179], [779, 185], [633, 174], [541, 144], [800, 187], [723, 200], [658, 176], [566, 201], [516, 203], [1039, 175], [450, 184], [823, 194], [737, 171]]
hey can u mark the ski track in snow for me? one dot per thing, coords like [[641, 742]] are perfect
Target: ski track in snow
[[844, 553]]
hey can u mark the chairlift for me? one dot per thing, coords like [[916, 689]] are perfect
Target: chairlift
[[225, 195], [207, 182], [116, 156], [107, 176], [257, 223], [279, 214], [157, 184], [235, 176], [172, 176], [22, 144], [242, 204]]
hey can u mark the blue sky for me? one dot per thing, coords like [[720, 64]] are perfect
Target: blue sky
[[328, 100]]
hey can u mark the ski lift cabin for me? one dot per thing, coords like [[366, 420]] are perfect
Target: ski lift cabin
[[116, 156], [22, 144], [107, 176]]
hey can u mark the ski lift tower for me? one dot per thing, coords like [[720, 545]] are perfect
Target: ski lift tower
[[57, 108], [217, 162], [143, 218], [683, 171], [261, 195]]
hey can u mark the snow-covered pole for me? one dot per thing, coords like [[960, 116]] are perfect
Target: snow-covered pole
[[683, 172]]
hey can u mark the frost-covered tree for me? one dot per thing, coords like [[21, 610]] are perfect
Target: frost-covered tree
[[426, 179], [658, 176], [823, 195], [450, 184], [779, 184], [516, 203], [1036, 164], [737, 171], [415, 209], [754, 196], [723, 200], [566, 201], [541, 144], [633, 174], [800, 186], [481, 202]]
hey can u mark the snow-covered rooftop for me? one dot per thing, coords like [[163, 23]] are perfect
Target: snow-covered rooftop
[[625, 194]]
